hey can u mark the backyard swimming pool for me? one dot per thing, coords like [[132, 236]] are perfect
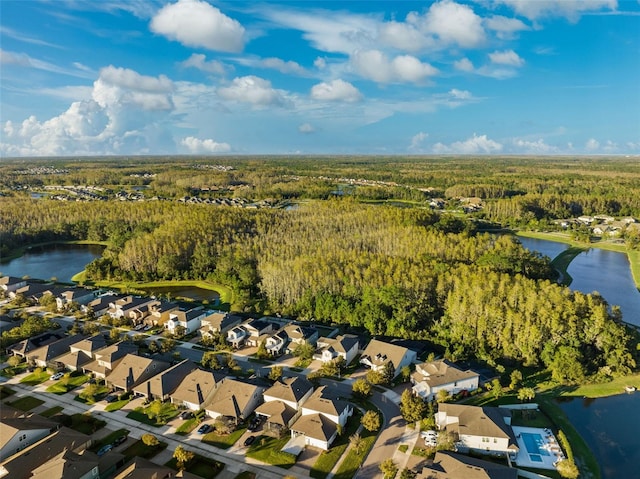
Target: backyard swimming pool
[[534, 442]]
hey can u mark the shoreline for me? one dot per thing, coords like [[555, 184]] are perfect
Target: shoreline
[[633, 256]]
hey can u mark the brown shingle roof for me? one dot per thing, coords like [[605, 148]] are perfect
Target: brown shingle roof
[[232, 397], [441, 372], [196, 387], [315, 426], [290, 389], [449, 465], [277, 411]]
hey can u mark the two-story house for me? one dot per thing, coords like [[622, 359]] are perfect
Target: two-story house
[[189, 320], [106, 359], [18, 432], [449, 465], [82, 352], [283, 401], [479, 429], [219, 322], [46, 356], [79, 296], [378, 354], [346, 346], [434, 376], [9, 284], [133, 370]]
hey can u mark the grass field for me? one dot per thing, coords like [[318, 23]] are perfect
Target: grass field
[[26, 403], [52, 411], [616, 386], [224, 441], [5, 391], [352, 461], [36, 377], [200, 466], [65, 385], [267, 449], [140, 449], [168, 412], [86, 423]]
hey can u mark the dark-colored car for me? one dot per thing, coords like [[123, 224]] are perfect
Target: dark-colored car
[[186, 415], [248, 441], [111, 398], [205, 428], [119, 441]]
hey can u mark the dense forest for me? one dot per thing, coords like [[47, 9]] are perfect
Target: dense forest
[[328, 247]]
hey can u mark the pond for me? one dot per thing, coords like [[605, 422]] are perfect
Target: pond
[[610, 427], [61, 261], [607, 272], [191, 292]]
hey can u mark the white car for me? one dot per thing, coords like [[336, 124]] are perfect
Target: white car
[[56, 376]]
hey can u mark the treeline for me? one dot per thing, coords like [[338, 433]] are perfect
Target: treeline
[[401, 272]]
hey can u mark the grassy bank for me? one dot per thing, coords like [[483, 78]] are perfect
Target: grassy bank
[[616, 386], [562, 261], [226, 294]]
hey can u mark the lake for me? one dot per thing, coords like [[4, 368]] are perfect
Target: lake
[[607, 272], [61, 261], [610, 427]]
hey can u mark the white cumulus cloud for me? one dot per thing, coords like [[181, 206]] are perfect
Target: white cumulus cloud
[[196, 23], [417, 140], [376, 65], [506, 28], [537, 147], [199, 146], [464, 64], [592, 144], [122, 86], [335, 90], [474, 145], [506, 57], [199, 61], [453, 23], [252, 89]]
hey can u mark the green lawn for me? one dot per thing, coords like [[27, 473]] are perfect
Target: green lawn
[[6, 391], [100, 393], [224, 441], [26, 403], [13, 371], [167, 412], [67, 384], [36, 377], [190, 424], [616, 386], [328, 459], [140, 449], [86, 423], [354, 459], [117, 405], [52, 411], [200, 466], [267, 449]]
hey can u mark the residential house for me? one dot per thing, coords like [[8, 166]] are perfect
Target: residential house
[[133, 370], [19, 466], [100, 305], [165, 382], [479, 429], [190, 320], [317, 430], [26, 346], [196, 389], [449, 465], [346, 346], [69, 465], [81, 353], [46, 356], [378, 354], [132, 307], [141, 468], [35, 291], [323, 401], [299, 335], [276, 343], [18, 433], [77, 296], [219, 322], [106, 359], [9, 284], [237, 335], [257, 331], [234, 400], [159, 313], [429, 378], [283, 401]]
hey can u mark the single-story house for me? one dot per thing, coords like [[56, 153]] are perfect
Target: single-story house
[[219, 322], [196, 389], [46, 356], [165, 382], [234, 400], [299, 335], [133, 370], [449, 465], [318, 431], [26, 346]]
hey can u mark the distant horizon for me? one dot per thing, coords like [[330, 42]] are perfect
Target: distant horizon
[[292, 77]]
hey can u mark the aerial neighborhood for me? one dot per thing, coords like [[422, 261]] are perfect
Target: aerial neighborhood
[[226, 374]]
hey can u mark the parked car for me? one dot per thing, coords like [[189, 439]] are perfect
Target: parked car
[[111, 398], [147, 327], [57, 376], [119, 440], [205, 428], [248, 441], [186, 415], [104, 449]]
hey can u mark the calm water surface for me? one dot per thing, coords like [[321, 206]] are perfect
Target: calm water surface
[[611, 428], [607, 272], [61, 261]]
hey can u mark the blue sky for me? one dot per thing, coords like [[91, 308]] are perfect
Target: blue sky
[[484, 77]]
